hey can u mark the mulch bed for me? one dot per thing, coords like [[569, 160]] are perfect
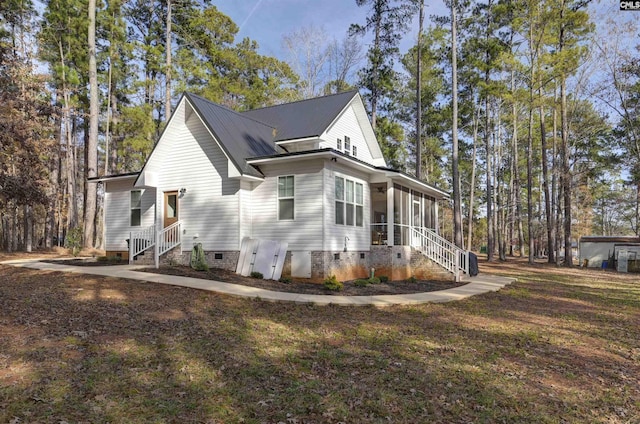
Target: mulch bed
[[87, 262], [296, 286], [305, 287]]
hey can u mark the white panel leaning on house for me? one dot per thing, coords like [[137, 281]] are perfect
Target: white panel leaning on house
[[263, 256]]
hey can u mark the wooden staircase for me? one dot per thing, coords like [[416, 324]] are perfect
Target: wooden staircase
[[441, 251]]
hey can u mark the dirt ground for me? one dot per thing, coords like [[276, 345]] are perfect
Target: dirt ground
[[558, 346]]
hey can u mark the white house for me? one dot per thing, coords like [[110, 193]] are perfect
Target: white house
[[308, 173]]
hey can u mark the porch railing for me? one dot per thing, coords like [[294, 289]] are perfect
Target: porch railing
[[441, 251], [141, 240], [162, 241], [169, 237]]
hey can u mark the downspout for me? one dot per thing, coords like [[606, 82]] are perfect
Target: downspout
[[156, 233]]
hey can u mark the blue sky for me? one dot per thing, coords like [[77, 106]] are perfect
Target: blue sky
[[266, 21]]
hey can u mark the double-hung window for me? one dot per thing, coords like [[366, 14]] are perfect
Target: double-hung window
[[349, 202], [347, 144], [135, 204], [286, 200], [339, 144]]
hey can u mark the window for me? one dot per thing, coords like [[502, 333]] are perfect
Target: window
[[339, 144], [285, 198], [354, 150], [339, 201], [349, 202], [359, 205], [347, 144], [136, 208]]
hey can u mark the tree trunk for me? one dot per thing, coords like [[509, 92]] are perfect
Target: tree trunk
[[69, 156], [419, 94], [515, 169], [487, 143], [374, 95], [545, 187], [530, 182], [92, 145], [28, 228], [499, 192], [13, 240], [473, 178], [457, 208], [107, 132], [565, 153], [555, 192], [167, 105]]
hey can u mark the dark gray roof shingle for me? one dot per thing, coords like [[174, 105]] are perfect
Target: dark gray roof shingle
[[304, 118]]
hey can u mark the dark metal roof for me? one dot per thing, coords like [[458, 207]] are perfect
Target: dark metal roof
[[240, 136], [610, 239], [304, 118]]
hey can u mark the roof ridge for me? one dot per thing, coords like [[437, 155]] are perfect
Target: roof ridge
[[241, 114], [354, 91]]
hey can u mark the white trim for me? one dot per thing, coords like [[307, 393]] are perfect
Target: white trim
[[113, 178], [258, 161], [297, 140], [248, 178]]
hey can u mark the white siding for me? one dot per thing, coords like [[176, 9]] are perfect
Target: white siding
[[347, 124], [305, 232], [117, 200], [188, 157], [359, 237]]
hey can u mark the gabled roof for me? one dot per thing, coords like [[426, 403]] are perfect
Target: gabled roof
[[304, 118], [239, 135]]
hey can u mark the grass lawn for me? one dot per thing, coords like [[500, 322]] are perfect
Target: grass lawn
[[558, 346]]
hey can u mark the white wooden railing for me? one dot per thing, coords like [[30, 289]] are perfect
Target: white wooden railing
[[141, 240], [162, 241], [169, 237], [441, 251]]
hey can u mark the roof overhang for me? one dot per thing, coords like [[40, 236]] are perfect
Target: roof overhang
[[298, 140], [411, 182], [128, 176], [331, 154]]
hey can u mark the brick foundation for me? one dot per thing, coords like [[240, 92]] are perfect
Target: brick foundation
[[395, 262]]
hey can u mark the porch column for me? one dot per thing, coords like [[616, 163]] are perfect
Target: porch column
[[435, 217], [390, 214]]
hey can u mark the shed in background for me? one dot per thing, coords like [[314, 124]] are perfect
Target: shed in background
[[596, 249]]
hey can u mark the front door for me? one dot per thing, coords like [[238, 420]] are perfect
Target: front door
[[170, 208]]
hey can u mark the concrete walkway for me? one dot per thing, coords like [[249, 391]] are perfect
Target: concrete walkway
[[476, 285]]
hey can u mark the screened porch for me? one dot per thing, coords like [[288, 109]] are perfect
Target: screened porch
[[396, 210]]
